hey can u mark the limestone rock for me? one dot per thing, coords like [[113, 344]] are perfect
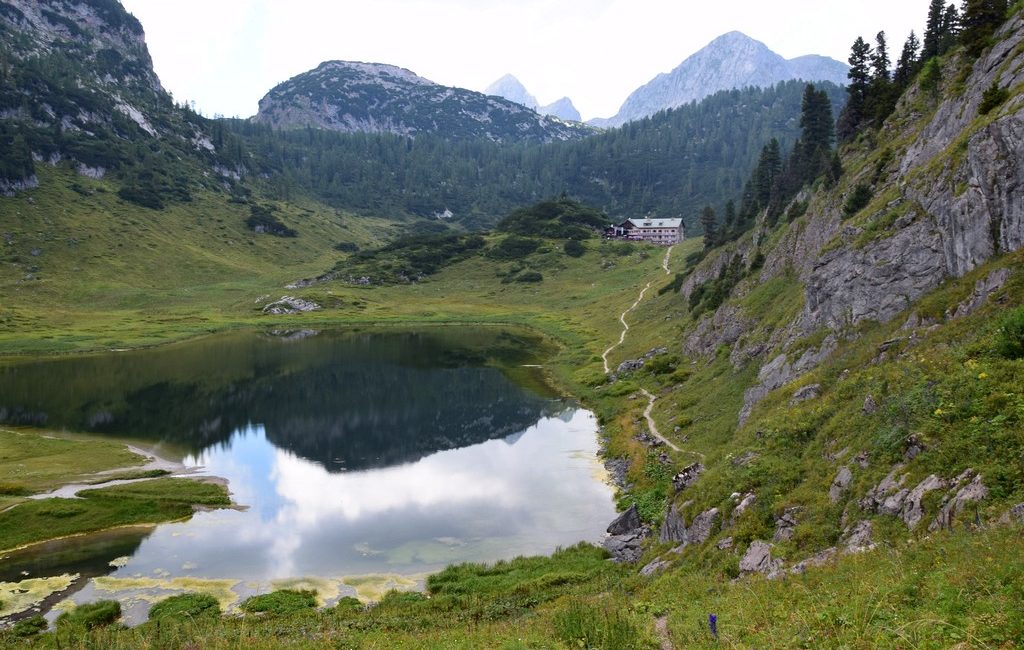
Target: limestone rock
[[984, 288], [858, 538], [703, 526], [785, 525], [687, 477], [877, 496], [654, 567], [912, 509], [627, 522], [674, 527], [1014, 515], [870, 406], [806, 393], [758, 559], [724, 544], [291, 305], [626, 548], [973, 492], [818, 559], [839, 484], [744, 504]]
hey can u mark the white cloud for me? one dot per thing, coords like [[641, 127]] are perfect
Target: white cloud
[[225, 55]]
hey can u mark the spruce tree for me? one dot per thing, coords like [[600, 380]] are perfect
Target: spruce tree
[[907, 66], [709, 223], [933, 31], [880, 58], [860, 80], [950, 28], [980, 20]]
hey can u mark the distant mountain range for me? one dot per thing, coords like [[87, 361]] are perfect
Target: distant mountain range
[[733, 60], [351, 96], [513, 90]]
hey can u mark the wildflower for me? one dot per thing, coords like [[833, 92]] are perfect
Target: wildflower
[[713, 624], [938, 413], [983, 375], [971, 364]]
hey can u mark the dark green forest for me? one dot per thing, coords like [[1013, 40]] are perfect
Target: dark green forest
[[670, 164]]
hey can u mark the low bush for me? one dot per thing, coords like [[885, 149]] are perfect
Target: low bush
[[858, 200], [91, 615], [186, 606], [1010, 339], [283, 601]]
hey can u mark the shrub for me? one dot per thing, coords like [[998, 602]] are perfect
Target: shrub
[[262, 220], [574, 248], [530, 276], [186, 606], [91, 615], [1010, 340], [29, 627], [858, 200], [283, 601], [346, 247], [992, 97], [514, 248]]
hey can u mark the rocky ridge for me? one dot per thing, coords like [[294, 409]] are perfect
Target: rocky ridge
[[357, 97], [732, 60]]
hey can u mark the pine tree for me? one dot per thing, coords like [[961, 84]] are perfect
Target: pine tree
[[860, 80], [950, 28], [880, 58], [907, 66], [980, 20], [933, 31], [709, 223]]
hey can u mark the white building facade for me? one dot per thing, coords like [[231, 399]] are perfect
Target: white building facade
[[664, 232]]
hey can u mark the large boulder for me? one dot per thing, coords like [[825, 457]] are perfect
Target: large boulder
[[758, 559], [627, 522], [674, 527]]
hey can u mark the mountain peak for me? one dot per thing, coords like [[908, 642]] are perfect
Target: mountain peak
[[513, 90], [732, 60]]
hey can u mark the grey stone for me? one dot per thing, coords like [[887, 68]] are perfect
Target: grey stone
[[913, 511], [984, 288], [674, 527], [626, 548], [818, 559], [654, 567], [839, 484], [806, 393], [859, 538], [758, 559], [870, 406], [744, 504], [703, 526], [1014, 515], [291, 305], [626, 522], [724, 544], [973, 492], [687, 477], [785, 525], [914, 447], [877, 496]]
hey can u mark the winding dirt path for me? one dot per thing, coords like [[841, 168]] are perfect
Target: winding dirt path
[[650, 420], [639, 299]]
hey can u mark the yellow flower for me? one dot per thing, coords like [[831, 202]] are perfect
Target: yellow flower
[[938, 412], [971, 364], [983, 375]]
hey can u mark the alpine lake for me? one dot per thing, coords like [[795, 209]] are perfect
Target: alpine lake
[[360, 461]]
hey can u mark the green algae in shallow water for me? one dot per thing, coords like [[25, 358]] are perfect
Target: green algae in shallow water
[[371, 588], [326, 590], [221, 589], [18, 596]]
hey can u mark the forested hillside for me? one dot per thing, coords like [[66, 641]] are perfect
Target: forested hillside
[[670, 164]]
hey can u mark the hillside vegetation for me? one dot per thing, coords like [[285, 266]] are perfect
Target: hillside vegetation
[[840, 379]]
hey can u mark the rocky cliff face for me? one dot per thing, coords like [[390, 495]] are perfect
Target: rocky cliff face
[[945, 202], [562, 109], [374, 98], [733, 60], [513, 90]]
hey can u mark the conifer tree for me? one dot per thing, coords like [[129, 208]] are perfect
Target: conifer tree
[[950, 28], [907, 66], [933, 31], [860, 81], [709, 223], [980, 20], [880, 58]]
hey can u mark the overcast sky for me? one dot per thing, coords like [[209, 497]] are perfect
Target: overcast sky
[[226, 54]]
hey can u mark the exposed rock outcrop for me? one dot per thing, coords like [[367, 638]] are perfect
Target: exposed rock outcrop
[[953, 507], [626, 522], [291, 305], [703, 526], [673, 529], [839, 484], [687, 477], [758, 559]]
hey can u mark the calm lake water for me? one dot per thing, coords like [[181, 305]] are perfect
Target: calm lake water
[[365, 459]]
